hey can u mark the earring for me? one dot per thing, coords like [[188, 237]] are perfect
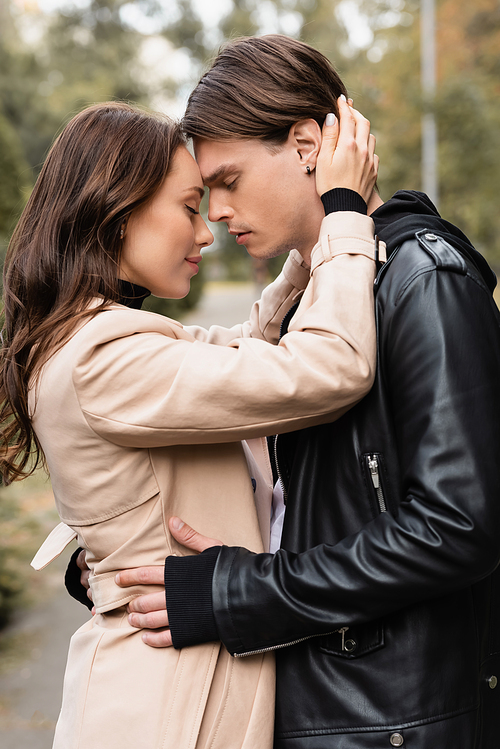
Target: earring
[[122, 233], [308, 169]]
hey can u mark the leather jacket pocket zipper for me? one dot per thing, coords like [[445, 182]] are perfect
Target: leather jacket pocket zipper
[[354, 642], [283, 644], [347, 645], [374, 470]]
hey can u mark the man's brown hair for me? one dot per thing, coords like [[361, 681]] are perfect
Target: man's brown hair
[[258, 87]]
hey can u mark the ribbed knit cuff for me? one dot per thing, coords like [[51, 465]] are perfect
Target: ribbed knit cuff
[[188, 589], [73, 584], [342, 199]]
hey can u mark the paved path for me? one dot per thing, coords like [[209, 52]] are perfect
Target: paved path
[[30, 690], [223, 304], [30, 694]]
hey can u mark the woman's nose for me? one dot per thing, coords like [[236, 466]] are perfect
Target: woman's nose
[[204, 236]]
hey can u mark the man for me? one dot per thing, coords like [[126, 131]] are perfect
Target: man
[[383, 602]]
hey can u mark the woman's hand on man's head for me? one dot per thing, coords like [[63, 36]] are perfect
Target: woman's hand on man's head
[[347, 156]]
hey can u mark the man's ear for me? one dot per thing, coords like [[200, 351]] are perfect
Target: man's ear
[[305, 137]]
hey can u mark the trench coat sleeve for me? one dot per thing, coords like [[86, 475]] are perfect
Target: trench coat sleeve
[[444, 534], [142, 388], [266, 313]]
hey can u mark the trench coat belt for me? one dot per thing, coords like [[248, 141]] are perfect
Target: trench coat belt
[[107, 595]]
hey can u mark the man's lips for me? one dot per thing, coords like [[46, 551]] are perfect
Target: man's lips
[[243, 238], [240, 236]]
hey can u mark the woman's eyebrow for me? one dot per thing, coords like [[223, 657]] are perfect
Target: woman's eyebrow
[[197, 189]]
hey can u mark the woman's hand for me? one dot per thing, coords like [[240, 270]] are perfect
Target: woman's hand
[[347, 157], [85, 572]]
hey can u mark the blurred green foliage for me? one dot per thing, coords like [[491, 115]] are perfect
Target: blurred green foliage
[[20, 532], [467, 107], [14, 178], [91, 52], [81, 55]]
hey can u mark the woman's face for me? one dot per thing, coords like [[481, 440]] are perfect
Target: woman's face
[[163, 239]]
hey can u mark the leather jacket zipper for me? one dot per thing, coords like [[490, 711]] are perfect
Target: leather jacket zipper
[[373, 467], [280, 478], [341, 631]]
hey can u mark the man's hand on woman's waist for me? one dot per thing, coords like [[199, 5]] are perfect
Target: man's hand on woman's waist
[[150, 611]]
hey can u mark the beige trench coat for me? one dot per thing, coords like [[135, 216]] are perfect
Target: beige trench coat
[[140, 419]]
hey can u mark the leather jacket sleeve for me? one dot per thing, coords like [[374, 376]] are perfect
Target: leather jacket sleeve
[[441, 359]]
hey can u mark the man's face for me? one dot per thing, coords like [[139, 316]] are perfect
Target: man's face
[[265, 197]]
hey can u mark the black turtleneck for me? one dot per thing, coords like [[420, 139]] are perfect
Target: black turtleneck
[[131, 294]]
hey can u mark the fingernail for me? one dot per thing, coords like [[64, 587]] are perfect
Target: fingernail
[[117, 579], [177, 524], [145, 639], [343, 98], [330, 120]]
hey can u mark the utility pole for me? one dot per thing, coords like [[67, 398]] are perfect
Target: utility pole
[[428, 77]]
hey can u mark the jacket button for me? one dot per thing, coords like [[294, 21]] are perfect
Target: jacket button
[[492, 682], [350, 646], [429, 238], [396, 739]]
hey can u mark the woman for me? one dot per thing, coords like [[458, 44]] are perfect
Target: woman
[[130, 409]]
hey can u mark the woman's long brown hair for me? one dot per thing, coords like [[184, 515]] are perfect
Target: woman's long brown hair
[[65, 251]]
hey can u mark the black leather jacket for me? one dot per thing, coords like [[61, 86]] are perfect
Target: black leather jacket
[[383, 604]]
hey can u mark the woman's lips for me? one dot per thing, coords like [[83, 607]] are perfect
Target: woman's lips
[[193, 262]]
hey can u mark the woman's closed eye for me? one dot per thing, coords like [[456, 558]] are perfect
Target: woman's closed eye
[[191, 210]]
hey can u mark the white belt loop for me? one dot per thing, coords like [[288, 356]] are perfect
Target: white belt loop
[[54, 544]]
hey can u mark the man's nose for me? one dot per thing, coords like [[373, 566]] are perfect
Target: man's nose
[[218, 209]]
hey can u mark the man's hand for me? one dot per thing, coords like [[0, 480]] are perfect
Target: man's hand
[[150, 611]]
